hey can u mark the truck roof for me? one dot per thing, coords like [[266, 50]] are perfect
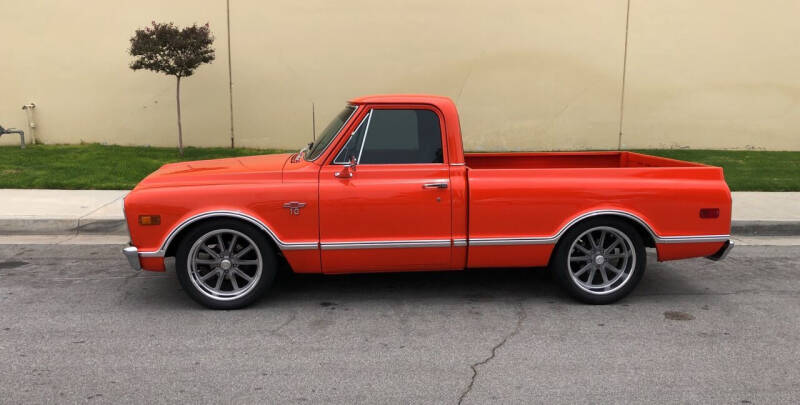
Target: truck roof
[[443, 103]]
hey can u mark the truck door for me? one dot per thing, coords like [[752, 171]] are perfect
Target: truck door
[[391, 210]]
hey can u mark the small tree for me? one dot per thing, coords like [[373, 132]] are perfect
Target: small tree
[[177, 52]]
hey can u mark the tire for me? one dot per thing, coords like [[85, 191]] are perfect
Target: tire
[[596, 275], [217, 277]]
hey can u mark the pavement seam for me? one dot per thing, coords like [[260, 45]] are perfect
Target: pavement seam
[[102, 206], [82, 217], [69, 238], [521, 315]]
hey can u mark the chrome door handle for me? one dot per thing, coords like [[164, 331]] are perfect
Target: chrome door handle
[[434, 185]]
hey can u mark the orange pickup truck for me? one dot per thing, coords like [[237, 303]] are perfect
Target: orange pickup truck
[[388, 187]]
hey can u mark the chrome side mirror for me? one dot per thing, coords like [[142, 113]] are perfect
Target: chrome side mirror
[[348, 169]]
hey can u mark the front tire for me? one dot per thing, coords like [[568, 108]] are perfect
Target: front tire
[[600, 261], [225, 264]]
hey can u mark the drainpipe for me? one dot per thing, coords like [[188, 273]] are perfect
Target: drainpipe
[[28, 108]]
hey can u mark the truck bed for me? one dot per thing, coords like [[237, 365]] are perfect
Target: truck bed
[[532, 197], [573, 160]]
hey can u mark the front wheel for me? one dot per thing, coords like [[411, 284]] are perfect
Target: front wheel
[[225, 264], [600, 261]]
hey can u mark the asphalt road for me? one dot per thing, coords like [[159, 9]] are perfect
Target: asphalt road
[[77, 325]]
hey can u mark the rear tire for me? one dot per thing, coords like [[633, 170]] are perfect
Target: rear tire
[[600, 261], [225, 264]]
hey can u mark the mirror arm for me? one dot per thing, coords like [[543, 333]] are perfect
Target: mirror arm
[[348, 169]]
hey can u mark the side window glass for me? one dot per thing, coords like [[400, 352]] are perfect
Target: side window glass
[[353, 145], [402, 136]]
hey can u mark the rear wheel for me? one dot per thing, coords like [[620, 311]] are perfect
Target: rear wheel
[[600, 261], [225, 264]]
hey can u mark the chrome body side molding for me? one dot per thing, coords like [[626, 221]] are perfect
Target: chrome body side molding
[[229, 214], [693, 239], [428, 243], [511, 241], [547, 240], [394, 244]]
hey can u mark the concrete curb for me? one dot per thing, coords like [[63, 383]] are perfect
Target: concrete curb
[[765, 228], [62, 226], [117, 226]]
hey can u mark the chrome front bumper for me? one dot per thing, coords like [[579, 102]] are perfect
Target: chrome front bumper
[[722, 252], [132, 253]]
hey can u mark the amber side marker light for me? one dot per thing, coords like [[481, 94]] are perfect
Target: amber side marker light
[[708, 213], [149, 219]]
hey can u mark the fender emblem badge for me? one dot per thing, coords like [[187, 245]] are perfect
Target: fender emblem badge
[[294, 207]]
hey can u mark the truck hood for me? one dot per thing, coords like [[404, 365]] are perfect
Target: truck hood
[[217, 171]]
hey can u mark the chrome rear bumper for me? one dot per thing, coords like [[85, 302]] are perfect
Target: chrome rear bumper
[[132, 253], [722, 252]]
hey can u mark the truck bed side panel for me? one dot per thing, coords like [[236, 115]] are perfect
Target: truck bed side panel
[[519, 214]]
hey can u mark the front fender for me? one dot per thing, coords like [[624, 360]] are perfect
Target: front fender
[[259, 204]]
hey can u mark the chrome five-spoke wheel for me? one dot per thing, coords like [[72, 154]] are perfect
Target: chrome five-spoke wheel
[[601, 260], [225, 264]]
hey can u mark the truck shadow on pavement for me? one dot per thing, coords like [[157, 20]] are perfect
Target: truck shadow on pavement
[[530, 285]]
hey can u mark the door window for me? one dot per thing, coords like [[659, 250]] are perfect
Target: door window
[[395, 136]]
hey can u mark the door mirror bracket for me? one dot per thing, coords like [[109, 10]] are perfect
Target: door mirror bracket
[[347, 170]]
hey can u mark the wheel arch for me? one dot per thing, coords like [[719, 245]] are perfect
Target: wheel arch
[[641, 226], [172, 241]]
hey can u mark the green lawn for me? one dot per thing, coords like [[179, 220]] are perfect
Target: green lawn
[[96, 166], [745, 170]]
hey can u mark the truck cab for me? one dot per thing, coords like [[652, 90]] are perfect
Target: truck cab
[[392, 188]]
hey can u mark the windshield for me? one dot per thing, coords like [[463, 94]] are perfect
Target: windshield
[[329, 133]]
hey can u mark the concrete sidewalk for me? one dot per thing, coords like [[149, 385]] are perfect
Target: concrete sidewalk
[[60, 212], [759, 213]]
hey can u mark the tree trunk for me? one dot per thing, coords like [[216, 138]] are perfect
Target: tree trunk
[[180, 129]]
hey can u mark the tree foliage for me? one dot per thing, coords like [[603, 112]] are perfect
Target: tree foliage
[[165, 48]]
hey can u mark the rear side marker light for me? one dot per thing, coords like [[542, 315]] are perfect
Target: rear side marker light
[[149, 219], [707, 213]]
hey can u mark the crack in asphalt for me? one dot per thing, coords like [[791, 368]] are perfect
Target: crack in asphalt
[[285, 323], [521, 315]]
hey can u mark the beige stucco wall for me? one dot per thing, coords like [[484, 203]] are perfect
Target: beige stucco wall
[[526, 75], [713, 74], [71, 59]]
